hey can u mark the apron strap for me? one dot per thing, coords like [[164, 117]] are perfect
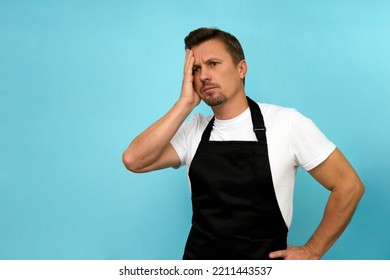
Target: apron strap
[[257, 120], [207, 132]]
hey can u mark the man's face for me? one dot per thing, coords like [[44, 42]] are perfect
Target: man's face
[[216, 77]]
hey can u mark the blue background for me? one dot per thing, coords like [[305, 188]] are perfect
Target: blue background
[[80, 79]]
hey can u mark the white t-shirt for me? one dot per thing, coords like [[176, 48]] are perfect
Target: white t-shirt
[[293, 140]]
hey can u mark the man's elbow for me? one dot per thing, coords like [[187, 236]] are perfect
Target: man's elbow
[[131, 162], [360, 189], [357, 189]]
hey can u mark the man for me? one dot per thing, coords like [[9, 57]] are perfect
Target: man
[[242, 162]]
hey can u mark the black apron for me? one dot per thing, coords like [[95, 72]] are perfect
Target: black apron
[[235, 211]]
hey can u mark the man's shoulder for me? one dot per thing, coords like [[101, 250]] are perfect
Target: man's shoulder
[[199, 117], [276, 111], [196, 122]]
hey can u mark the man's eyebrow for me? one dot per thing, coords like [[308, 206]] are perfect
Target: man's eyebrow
[[208, 61], [213, 59]]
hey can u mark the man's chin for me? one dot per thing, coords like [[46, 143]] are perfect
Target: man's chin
[[214, 101]]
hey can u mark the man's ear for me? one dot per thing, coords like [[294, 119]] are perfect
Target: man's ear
[[242, 68]]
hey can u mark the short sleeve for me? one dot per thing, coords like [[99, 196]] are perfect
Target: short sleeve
[[179, 143], [309, 145], [187, 138]]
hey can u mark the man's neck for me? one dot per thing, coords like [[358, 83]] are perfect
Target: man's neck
[[231, 108]]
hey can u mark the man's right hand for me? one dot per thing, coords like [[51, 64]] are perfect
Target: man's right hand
[[188, 93]]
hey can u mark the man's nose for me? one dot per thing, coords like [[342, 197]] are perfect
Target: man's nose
[[205, 74]]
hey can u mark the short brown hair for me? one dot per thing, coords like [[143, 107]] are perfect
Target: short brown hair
[[203, 34]]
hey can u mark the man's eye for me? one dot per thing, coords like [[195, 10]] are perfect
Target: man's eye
[[213, 63], [195, 70]]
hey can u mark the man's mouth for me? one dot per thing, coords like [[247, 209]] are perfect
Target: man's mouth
[[209, 88]]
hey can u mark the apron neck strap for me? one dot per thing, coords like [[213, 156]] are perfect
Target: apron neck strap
[[258, 121]]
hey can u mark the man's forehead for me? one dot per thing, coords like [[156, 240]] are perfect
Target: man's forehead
[[213, 48]]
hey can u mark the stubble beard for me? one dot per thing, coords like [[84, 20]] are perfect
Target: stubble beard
[[215, 99]]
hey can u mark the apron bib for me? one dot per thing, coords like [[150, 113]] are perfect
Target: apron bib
[[235, 211]]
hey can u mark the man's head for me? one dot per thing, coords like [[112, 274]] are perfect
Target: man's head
[[219, 66], [201, 35]]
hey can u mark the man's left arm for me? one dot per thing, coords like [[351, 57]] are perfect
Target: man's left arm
[[337, 175]]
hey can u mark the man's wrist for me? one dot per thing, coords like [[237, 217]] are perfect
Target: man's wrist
[[186, 105], [312, 253]]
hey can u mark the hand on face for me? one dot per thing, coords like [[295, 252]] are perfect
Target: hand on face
[[188, 93]]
